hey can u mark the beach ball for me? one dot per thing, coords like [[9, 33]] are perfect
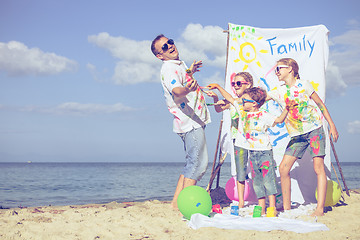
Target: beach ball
[[232, 192], [231, 189], [194, 199], [333, 193]]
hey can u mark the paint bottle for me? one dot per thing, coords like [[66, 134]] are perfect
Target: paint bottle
[[257, 211], [270, 212], [234, 210]]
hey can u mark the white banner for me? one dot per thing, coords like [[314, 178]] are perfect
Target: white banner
[[256, 50]]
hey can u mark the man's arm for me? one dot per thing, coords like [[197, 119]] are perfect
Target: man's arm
[[183, 91]]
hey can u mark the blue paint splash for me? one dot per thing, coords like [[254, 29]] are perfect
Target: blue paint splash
[[279, 138], [267, 85]]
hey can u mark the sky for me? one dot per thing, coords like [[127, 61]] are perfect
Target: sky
[[78, 82]]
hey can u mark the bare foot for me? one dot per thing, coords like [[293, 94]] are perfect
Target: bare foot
[[241, 205], [174, 206], [317, 212]]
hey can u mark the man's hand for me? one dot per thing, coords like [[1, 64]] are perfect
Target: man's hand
[[194, 67], [191, 85]]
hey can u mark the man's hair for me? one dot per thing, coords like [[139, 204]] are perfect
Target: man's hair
[[153, 49], [257, 94]]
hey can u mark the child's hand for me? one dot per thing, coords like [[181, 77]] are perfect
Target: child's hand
[[221, 102], [211, 94], [291, 105], [212, 86]]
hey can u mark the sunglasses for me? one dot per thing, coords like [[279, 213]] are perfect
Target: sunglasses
[[244, 100], [277, 69], [165, 47], [239, 83]]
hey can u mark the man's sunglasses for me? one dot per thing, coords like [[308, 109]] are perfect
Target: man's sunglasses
[[165, 47], [277, 69], [239, 83], [244, 100]]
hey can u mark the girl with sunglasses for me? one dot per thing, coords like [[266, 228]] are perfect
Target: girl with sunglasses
[[304, 125], [253, 124], [239, 83]]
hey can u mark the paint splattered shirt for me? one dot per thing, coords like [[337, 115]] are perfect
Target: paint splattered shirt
[[254, 128], [190, 112], [234, 115], [238, 133], [305, 117]]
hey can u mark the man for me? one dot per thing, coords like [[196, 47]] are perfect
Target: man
[[186, 102]]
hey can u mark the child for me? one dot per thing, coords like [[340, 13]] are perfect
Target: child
[[255, 122], [239, 83], [304, 126]]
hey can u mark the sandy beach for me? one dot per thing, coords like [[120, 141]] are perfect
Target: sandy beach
[[153, 220]]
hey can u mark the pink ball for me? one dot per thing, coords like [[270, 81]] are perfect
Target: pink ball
[[232, 192], [231, 189]]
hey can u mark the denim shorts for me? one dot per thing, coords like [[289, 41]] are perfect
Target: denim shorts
[[241, 161], [263, 172], [298, 144], [196, 154]]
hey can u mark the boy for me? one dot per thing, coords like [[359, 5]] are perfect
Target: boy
[[255, 122]]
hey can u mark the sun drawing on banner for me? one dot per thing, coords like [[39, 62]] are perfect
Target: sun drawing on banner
[[247, 52]]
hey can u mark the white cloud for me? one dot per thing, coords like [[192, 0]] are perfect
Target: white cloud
[[354, 127], [206, 43], [353, 23], [344, 61], [16, 59], [136, 63], [80, 109], [335, 85], [217, 77]]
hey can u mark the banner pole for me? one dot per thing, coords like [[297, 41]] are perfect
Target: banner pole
[[339, 167]]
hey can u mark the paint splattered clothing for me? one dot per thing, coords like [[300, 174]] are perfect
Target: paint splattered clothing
[[190, 112], [303, 118], [240, 140], [262, 166], [315, 139], [241, 162], [254, 126], [241, 146], [234, 115]]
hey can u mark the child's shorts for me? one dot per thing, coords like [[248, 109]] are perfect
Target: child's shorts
[[241, 161], [298, 144], [263, 173]]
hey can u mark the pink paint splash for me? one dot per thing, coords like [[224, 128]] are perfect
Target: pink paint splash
[[315, 144], [265, 168], [252, 170], [270, 71]]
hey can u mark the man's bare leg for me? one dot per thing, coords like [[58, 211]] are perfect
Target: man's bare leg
[[183, 182]]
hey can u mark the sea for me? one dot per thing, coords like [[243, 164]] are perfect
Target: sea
[[59, 184]]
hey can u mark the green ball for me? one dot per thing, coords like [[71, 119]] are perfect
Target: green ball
[[333, 193], [194, 199]]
